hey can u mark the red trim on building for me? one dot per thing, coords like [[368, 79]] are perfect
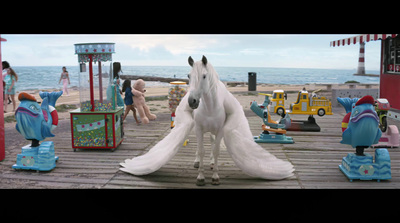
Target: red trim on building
[[361, 38]]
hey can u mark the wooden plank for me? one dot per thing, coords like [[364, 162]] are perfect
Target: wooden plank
[[45, 178]]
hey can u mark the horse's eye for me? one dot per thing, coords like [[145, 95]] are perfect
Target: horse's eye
[[204, 76]]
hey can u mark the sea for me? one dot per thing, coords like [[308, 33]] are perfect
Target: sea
[[47, 77]]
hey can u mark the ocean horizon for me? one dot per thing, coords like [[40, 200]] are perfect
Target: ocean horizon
[[47, 77]]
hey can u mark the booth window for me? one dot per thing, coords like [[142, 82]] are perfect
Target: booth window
[[392, 55]]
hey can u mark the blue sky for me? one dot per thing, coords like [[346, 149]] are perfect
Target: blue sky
[[292, 51]]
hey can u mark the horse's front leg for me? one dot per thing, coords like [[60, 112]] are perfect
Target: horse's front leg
[[197, 160], [212, 161], [200, 153], [215, 152]]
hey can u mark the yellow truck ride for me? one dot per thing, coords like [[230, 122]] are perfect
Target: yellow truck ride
[[306, 104]]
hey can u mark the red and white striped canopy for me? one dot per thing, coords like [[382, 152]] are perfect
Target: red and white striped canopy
[[361, 39]]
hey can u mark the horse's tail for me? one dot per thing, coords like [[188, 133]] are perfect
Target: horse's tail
[[164, 150], [250, 157]]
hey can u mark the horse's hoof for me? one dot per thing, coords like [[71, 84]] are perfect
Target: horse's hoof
[[215, 181], [201, 182], [196, 164]]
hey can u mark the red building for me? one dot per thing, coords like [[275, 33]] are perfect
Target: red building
[[389, 85]]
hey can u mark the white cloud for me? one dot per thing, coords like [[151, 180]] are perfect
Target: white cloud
[[221, 50], [176, 44], [252, 51]]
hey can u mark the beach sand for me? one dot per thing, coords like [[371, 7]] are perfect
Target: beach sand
[[159, 104]]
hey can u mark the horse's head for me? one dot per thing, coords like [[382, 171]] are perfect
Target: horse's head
[[202, 78]]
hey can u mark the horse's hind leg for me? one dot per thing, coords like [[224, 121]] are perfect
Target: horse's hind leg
[[197, 160]]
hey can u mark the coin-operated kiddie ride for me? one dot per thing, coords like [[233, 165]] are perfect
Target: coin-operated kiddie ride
[[361, 129], [390, 133], [306, 104], [37, 122], [273, 131], [97, 124]]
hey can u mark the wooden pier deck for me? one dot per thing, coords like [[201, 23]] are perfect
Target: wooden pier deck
[[315, 156]]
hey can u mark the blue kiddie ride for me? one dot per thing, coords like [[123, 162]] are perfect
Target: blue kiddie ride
[[36, 122], [274, 132], [360, 129]]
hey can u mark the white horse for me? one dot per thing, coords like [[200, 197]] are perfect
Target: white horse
[[210, 107]]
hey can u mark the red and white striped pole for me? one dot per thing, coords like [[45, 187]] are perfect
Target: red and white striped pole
[[361, 66]]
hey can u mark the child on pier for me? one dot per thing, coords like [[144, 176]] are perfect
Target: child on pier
[[126, 87], [10, 78]]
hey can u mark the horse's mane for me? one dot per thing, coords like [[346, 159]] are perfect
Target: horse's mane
[[212, 75]]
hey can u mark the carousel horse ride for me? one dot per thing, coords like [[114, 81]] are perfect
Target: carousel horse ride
[[360, 129], [273, 131], [36, 123], [210, 107]]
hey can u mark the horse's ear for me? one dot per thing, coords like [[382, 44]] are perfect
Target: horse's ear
[[204, 60], [190, 60]]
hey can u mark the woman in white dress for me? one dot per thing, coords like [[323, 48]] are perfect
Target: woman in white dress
[[65, 78]]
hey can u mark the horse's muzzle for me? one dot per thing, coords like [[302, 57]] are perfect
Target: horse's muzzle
[[193, 103]]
